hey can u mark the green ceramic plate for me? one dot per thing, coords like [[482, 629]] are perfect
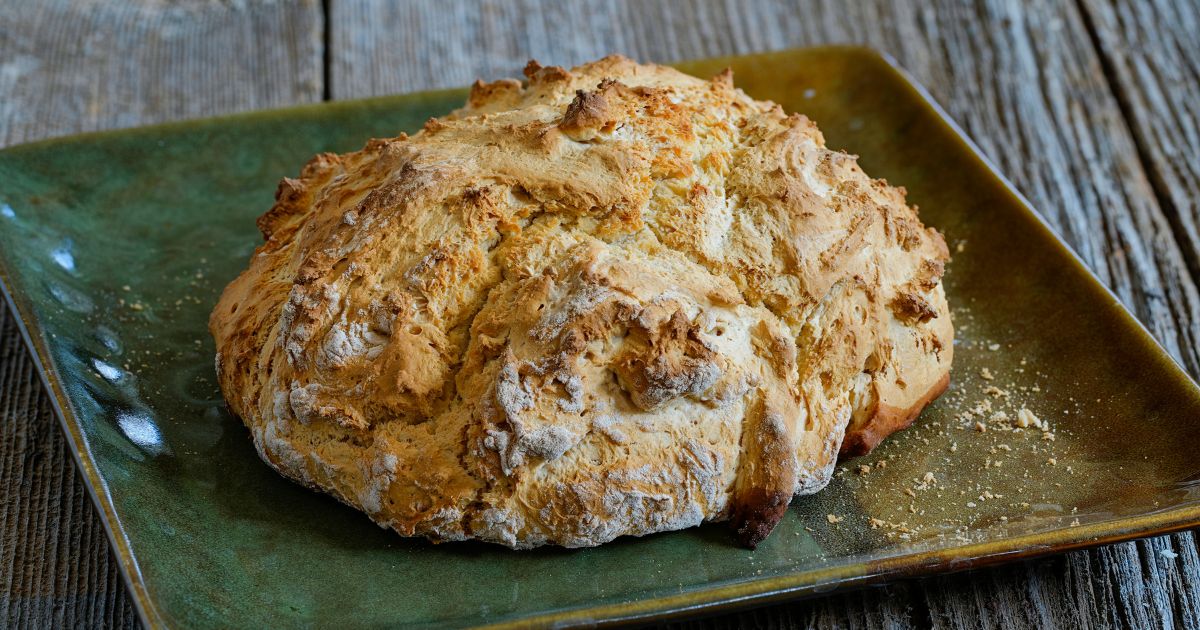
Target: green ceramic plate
[[114, 246]]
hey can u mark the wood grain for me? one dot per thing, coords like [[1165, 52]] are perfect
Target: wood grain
[[77, 66], [54, 555], [1042, 86], [1151, 53], [67, 67]]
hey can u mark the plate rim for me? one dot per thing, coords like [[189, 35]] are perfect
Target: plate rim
[[707, 600]]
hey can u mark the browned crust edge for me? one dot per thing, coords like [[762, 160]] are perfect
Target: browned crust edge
[[887, 420], [766, 474], [757, 513]]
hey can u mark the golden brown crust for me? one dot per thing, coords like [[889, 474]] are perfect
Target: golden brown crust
[[607, 301], [886, 420]]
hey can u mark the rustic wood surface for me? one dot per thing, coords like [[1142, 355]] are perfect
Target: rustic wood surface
[[1091, 108]]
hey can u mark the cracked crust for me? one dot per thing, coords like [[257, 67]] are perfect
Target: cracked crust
[[608, 301]]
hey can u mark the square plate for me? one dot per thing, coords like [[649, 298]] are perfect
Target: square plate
[[114, 247]]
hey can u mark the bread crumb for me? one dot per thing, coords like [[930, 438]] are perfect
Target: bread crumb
[[980, 427], [864, 470], [1052, 461], [994, 347], [1026, 419], [832, 518], [986, 374]]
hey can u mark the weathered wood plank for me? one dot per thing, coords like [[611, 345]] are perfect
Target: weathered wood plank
[[67, 67], [1151, 51], [1025, 81], [54, 556]]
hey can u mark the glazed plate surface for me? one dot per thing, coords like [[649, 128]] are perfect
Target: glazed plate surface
[[115, 246]]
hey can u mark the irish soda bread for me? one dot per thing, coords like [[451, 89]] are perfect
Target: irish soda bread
[[608, 301]]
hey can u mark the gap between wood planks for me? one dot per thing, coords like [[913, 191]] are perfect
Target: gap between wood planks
[[1170, 209]]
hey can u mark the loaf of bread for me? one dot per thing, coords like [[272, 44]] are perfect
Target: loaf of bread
[[608, 301]]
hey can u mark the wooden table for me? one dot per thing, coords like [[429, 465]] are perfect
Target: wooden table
[[1092, 107]]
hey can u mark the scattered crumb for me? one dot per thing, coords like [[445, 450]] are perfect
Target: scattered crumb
[[1026, 419], [995, 392], [1004, 446]]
